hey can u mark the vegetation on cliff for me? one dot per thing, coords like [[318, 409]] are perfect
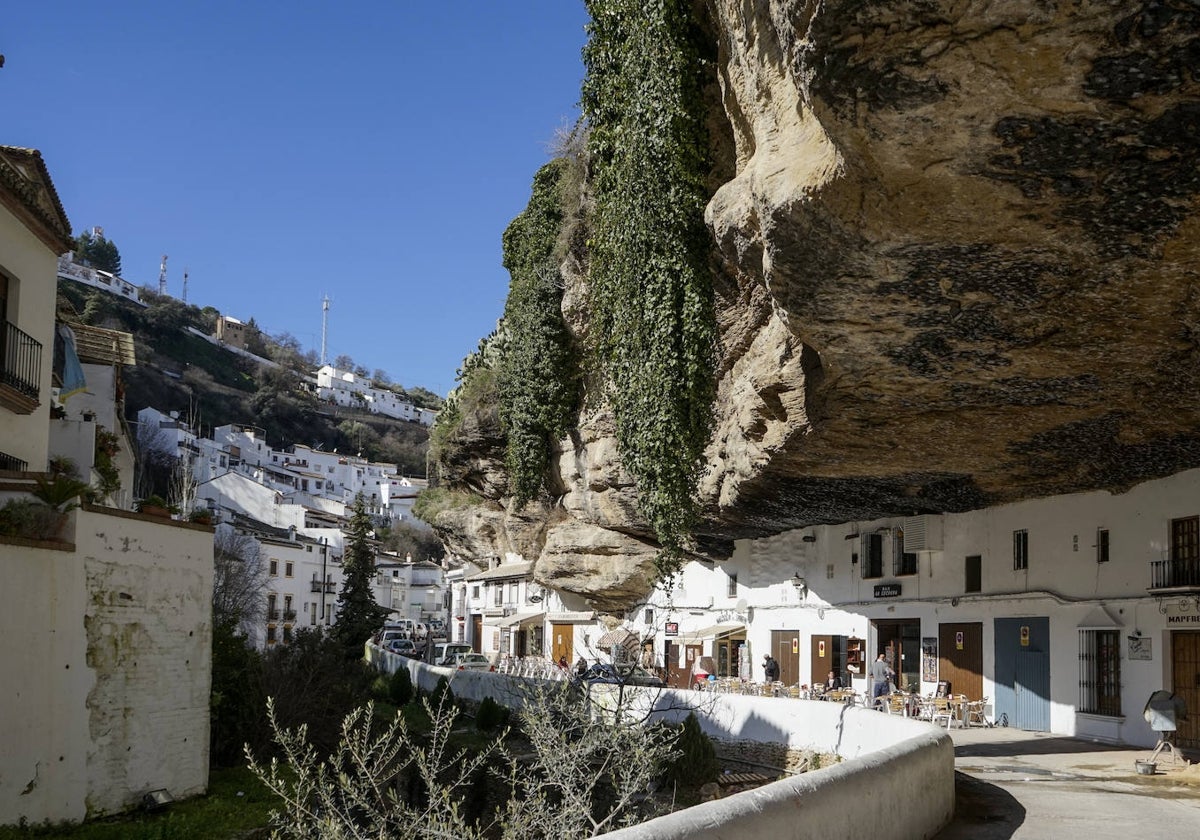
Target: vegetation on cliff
[[537, 379], [650, 283]]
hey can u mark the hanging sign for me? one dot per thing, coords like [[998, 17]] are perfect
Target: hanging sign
[[1025, 636], [958, 640], [671, 628], [887, 590], [796, 645]]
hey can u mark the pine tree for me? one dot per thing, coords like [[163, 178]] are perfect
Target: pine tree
[[358, 616]]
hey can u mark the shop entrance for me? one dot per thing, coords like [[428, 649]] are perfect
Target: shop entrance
[[961, 658], [829, 654], [1185, 682], [899, 640], [732, 657], [785, 647]]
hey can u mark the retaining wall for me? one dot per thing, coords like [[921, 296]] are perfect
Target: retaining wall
[[895, 780]]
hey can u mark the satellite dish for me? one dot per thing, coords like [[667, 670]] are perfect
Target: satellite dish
[[740, 606]]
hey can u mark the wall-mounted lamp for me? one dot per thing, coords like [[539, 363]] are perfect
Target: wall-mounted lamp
[[801, 585], [850, 537], [809, 538]]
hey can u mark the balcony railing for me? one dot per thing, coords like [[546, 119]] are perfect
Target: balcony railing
[[20, 361], [1175, 572], [272, 615], [12, 462], [328, 586], [289, 615]]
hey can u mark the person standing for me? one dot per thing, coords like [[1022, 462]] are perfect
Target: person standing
[[770, 668], [881, 674]]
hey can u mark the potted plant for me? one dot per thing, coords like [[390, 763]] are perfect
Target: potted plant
[[43, 516], [201, 516], [155, 505]]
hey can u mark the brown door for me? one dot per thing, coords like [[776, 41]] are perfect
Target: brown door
[[785, 647], [562, 642], [822, 658], [1185, 681], [477, 633], [960, 658], [690, 654], [676, 675]]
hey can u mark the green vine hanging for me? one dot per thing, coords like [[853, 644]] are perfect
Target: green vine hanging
[[650, 283], [537, 373]]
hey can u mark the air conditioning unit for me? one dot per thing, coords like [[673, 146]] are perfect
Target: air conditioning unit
[[923, 533]]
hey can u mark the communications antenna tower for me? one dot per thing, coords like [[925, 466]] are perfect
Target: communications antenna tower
[[162, 276], [324, 326], [185, 271]]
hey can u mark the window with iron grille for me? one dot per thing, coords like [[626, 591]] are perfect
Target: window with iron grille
[[731, 588], [1020, 550], [903, 562], [1100, 672], [1101, 545]]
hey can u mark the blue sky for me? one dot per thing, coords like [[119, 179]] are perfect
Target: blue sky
[[370, 150]]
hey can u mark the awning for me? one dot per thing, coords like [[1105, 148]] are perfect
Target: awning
[[716, 631], [519, 618], [620, 637]]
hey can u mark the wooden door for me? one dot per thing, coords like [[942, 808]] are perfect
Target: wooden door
[[960, 658], [477, 633], [1185, 681], [562, 642], [822, 659], [785, 647], [676, 675], [690, 654]]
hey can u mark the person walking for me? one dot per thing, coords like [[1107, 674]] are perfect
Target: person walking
[[881, 675], [770, 668]]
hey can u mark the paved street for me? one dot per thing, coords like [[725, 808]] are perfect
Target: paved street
[[1032, 786]]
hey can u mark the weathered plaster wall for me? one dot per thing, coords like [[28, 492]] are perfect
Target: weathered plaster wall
[[107, 651]]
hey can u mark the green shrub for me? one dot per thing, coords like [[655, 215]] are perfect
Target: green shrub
[[29, 519], [381, 687], [695, 757], [490, 715], [400, 687], [442, 695]]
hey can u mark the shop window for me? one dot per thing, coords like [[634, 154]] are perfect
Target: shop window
[[1020, 550], [1101, 545], [1100, 672]]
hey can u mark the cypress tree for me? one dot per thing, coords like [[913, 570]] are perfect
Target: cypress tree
[[358, 616]]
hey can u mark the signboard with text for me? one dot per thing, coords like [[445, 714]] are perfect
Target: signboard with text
[[671, 628], [887, 590]]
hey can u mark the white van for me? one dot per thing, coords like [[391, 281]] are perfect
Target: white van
[[439, 652]]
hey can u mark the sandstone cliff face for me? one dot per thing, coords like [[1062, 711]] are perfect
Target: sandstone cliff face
[[960, 250]]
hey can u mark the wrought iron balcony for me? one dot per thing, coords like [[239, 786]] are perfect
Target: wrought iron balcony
[[20, 368], [329, 586], [272, 615], [12, 462], [289, 615], [1176, 571]]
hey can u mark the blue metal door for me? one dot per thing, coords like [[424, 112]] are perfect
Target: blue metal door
[[1023, 672]]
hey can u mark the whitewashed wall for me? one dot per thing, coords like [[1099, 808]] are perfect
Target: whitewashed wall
[[107, 654]]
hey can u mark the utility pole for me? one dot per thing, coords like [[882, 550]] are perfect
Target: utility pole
[[162, 276], [324, 326]]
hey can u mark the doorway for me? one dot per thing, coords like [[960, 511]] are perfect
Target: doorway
[[477, 633], [960, 661], [828, 654], [562, 643], [899, 640], [785, 647], [731, 657], [1023, 672], [1185, 682]]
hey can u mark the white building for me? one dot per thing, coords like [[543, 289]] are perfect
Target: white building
[[413, 590], [344, 388], [1064, 612], [68, 269]]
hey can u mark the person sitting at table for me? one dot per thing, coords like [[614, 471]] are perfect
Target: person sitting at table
[[833, 682]]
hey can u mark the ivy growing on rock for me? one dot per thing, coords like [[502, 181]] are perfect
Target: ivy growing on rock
[[537, 380], [650, 283]]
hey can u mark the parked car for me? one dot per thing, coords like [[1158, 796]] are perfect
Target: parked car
[[440, 652], [605, 673], [471, 662], [404, 647], [437, 628], [390, 635]]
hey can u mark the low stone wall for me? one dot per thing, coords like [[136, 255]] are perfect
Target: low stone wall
[[895, 778]]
